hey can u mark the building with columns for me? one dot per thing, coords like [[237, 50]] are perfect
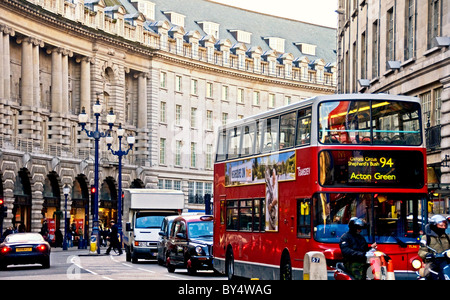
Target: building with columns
[[171, 71], [402, 47]]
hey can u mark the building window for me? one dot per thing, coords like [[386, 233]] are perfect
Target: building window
[[193, 155], [162, 151], [375, 49], [224, 118], [287, 100], [209, 89], [194, 86], [178, 146], [240, 96], [178, 114], [434, 21], [390, 36], [409, 36], [178, 83], [225, 92], [193, 117], [209, 156], [209, 120], [271, 100], [256, 98], [163, 80], [363, 56], [163, 117], [197, 191]]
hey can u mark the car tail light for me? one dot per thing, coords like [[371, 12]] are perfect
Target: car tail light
[[5, 249], [41, 248]]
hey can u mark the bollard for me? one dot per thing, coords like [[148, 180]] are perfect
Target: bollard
[[93, 245], [314, 266]]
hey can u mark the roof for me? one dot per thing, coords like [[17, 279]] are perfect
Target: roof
[[261, 26]]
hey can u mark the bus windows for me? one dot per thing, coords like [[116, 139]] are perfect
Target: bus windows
[[390, 218], [370, 122], [270, 135], [222, 146], [303, 127], [232, 215], [287, 130], [234, 142], [248, 140], [396, 123], [304, 218], [333, 212], [245, 215]]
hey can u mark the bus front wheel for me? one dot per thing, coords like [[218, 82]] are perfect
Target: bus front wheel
[[229, 264], [285, 267]]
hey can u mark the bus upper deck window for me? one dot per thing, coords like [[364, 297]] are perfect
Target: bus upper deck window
[[287, 130], [303, 127], [270, 135]]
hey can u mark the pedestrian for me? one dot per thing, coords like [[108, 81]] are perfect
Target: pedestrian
[[114, 242], [354, 248]]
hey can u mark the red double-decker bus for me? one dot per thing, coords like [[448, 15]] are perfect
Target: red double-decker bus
[[287, 182]]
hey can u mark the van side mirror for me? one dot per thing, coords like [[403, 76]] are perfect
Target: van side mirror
[[128, 226]]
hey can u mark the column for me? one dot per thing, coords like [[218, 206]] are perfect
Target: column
[[65, 82], [85, 84], [26, 87], [36, 81], [7, 32], [142, 101], [56, 94]]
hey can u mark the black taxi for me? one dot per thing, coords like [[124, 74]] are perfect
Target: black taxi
[[190, 244]]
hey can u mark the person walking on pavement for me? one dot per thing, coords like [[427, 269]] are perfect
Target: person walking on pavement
[[114, 242]]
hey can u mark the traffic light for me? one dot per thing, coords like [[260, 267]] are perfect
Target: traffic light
[[3, 208], [93, 191]]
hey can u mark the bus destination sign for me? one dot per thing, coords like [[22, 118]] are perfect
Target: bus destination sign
[[372, 169]]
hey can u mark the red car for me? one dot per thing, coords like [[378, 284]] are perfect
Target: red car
[[24, 248], [190, 244]]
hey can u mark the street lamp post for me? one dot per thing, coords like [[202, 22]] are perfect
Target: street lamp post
[[82, 120], [66, 191], [120, 153]]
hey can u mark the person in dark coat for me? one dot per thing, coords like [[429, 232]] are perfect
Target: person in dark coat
[[354, 248], [114, 242]]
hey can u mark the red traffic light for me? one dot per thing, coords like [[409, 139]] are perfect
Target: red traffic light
[[93, 190], [2, 201]]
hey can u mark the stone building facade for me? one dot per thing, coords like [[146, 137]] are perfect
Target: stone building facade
[[402, 47], [169, 85]]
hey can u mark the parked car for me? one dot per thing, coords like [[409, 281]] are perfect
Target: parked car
[[163, 237], [24, 248], [190, 244]]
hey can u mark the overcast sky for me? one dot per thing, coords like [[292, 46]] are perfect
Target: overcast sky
[[321, 12]]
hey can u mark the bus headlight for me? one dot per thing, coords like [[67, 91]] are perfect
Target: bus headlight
[[416, 264]]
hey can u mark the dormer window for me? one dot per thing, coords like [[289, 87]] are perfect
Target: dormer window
[[210, 28], [242, 36], [145, 7], [308, 49], [175, 18], [276, 43]]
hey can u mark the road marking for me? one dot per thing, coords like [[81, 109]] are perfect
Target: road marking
[[150, 271], [176, 277]]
